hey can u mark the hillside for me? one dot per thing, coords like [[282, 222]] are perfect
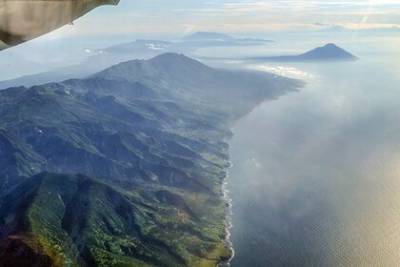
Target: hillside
[[123, 168]]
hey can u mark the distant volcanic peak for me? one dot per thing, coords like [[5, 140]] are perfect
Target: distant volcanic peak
[[330, 47], [328, 51]]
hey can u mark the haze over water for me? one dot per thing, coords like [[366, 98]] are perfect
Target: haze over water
[[316, 173]]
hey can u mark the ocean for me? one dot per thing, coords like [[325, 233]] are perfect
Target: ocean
[[315, 178]]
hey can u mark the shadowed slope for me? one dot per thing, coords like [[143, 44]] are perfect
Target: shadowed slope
[[149, 139]]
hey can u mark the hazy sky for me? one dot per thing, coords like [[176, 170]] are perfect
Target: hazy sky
[[160, 19], [177, 16]]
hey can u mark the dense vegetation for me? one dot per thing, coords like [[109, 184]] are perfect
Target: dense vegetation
[[123, 168]]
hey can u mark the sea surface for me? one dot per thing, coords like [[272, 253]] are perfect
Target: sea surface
[[316, 174]]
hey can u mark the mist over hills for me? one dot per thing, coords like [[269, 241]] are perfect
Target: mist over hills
[[99, 59], [124, 167]]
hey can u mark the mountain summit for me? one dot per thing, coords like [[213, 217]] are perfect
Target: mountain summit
[[328, 52], [123, 168]]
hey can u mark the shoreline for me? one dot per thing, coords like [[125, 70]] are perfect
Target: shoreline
[[225, 188], [228, 218]]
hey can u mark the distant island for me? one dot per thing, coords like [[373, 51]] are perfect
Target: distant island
[[222, 37], [329, 52]]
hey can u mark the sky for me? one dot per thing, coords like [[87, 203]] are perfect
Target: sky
[[169, 19], [250, 16]]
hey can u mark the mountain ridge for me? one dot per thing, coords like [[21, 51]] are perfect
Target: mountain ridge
[[141, 147]]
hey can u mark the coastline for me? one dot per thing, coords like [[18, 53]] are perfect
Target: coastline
[[226, 198], [228, 218]]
